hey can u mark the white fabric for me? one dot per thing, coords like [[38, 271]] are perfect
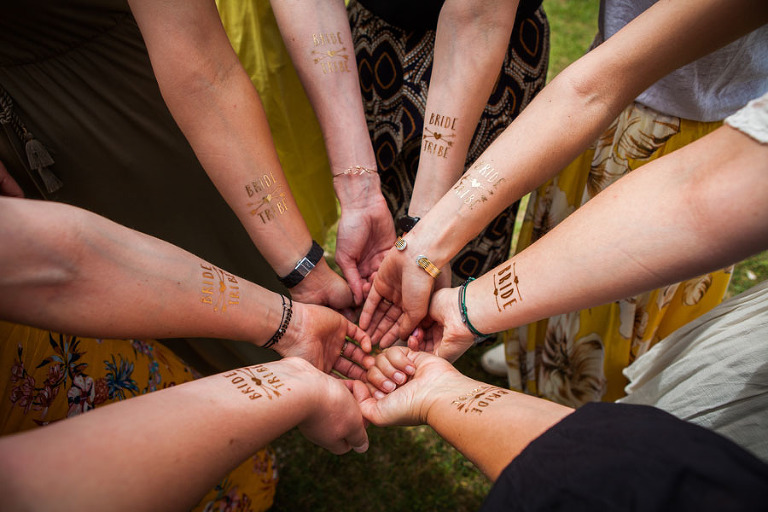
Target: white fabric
[[713, 371], [752, 119], [708, 89]]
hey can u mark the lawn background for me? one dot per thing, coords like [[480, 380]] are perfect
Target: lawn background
[[412, 468]]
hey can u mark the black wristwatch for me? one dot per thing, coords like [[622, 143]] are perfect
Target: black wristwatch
[[405, 223], [303, 267]]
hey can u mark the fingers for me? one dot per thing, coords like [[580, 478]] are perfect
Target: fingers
[[391, 370], [390, 313], [353, 362], [369, 308], [351, 273], [390, 337], [358, 439], [360, 336]]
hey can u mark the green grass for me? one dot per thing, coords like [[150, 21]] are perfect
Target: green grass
[[573, 25]]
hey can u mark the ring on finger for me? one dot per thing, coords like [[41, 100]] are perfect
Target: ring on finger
[[344, 347]]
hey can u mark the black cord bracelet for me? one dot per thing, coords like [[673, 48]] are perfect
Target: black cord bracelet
[[286, 319]]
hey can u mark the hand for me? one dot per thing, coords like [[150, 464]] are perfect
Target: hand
[[324, 287], [443, 333], [334, 420], [8, 186], [318, 334], [364, 236], [398, 299], [431, 378]]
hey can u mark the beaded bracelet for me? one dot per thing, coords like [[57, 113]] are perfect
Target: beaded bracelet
[[355, 170], [286, 319], [479, 337]]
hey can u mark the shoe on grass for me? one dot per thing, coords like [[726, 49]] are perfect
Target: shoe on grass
[[494, 361]]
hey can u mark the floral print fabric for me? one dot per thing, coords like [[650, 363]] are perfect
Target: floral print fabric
[[47, 377], [578, 357]]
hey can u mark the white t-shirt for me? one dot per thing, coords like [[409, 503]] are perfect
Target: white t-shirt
[[752, 120], [708, 89]]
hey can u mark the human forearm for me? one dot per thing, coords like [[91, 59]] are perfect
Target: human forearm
[[574, 109], [192, 434], [217, 108], [93, 277], [470, 45], [674, 218], [318, 37]]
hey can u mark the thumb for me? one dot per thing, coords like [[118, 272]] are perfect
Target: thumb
[[351, 273]]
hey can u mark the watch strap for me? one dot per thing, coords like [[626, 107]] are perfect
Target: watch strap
[[304, 266]]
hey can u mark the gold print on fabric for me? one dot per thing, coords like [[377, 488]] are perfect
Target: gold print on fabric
[[334, 59], [436, 139], [256, 382], [477, 185], [271, 199], [479, 399], [220, 289], [505, 286]]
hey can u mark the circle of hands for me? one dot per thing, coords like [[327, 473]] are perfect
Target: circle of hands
[[397, 304], [358, 381]]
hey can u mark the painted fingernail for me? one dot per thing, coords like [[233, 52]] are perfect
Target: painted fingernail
[[378, 395], [399, 377], [388, 385]]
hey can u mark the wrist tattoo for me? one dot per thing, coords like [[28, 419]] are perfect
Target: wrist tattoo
[[505, 286], [256, 382], [220, 289], [477, 184], [479, 399], [270, 199], [334, 57], [437, 139]]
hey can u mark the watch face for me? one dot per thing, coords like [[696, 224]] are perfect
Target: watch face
[[406, 223]]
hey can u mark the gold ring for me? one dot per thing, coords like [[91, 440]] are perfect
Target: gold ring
[[386, 301], [343, 348]]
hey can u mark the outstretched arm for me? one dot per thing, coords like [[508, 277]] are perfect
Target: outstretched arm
[[219, 111], [470, 44], [165, 450], [72, 271], [318, 37], [465, 412], [539, 143]]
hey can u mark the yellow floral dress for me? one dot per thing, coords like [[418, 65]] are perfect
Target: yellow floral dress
[[47, 377], [578, 357]]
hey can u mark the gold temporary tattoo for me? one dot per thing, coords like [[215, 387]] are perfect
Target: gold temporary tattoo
[[478, 399], [333, 60], [271, 199], [256, 382], [477, 184], [436, 141], [505, 285], [220, 289]]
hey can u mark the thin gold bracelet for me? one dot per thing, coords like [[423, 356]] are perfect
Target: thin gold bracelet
[[356, 170]]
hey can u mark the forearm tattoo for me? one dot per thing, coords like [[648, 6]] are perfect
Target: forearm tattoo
[[256, 382], [329, 51], [439, 132], [506, 287], [270, 199], [479, 399], [477, 184], [220, 289]]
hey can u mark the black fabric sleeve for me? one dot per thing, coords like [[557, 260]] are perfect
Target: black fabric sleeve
[[623, 457]]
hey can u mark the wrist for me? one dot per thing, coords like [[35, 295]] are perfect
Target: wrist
[[303, 267], [443, 395], [357, 191]]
